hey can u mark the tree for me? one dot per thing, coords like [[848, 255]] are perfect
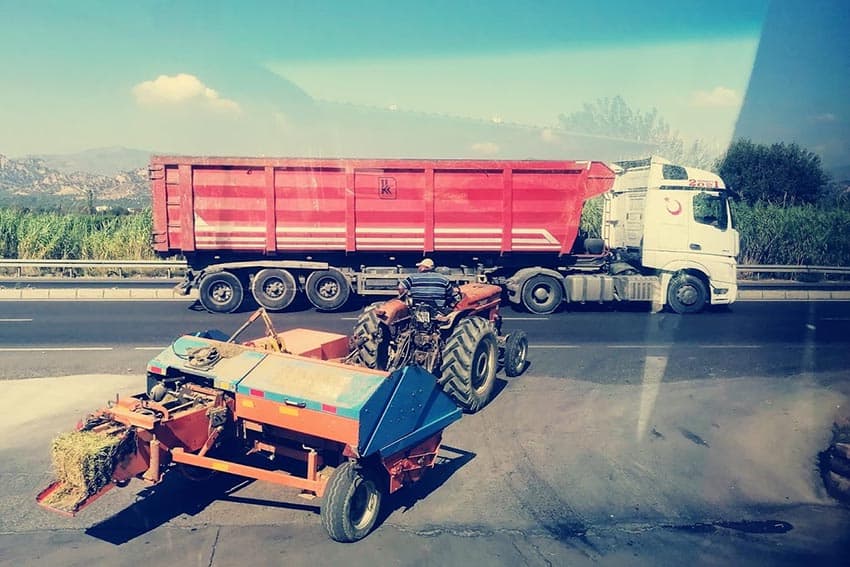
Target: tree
[[614, 118], [780, 174]]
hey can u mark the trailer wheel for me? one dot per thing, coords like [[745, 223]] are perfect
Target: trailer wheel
[[516, 353], [470, 358], [372, 341], [274, 289], [221, 292], [542, 294], [327, 290], [351, 504], [687, 294]]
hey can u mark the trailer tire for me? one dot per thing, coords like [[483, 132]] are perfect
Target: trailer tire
[[221, 292], [373, 340], [327, 290], [516, 353], [351, 504], [687, 294], [470, 358], [274, 289], [542, 294]]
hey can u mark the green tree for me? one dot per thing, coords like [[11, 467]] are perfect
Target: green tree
[[613, 117], [779, 174]]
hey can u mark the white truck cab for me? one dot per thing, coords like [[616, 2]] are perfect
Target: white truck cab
[[677, 221]]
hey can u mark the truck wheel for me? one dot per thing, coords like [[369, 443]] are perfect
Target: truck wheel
[[327, 290], [274, 289], [221, 292], [542, 294], [687, 294], [351, 504], [470, 357], [373, 339], [516, 353]]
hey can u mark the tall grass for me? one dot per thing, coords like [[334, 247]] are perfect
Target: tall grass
[[58, 236]]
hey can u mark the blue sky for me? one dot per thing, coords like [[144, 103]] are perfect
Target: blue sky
[[377, 77]]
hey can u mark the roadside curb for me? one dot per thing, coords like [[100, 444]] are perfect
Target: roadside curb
[[792, 295]]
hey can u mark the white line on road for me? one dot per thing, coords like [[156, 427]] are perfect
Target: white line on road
[[554, 346], [148, 348], [834, 319], [52, 349], [730, 346], [15, 320]]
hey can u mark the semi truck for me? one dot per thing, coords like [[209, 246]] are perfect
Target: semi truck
[[276, 229]]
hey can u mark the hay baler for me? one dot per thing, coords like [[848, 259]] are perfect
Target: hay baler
[[342, 433]]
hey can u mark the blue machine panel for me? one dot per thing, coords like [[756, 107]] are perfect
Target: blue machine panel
[[233, 365]]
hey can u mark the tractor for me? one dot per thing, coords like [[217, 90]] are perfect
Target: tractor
[[463, 346]]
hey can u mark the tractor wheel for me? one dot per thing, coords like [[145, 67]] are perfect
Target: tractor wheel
[[221, 292], [351, 504], [274, 289], [542, 294], [327, 290], [516, 353], [687, 294], [372, 341], [470, 358]]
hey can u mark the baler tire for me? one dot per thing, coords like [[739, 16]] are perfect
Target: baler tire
[[516, 353], [327, 290], [274, 289], [687, 294], [470, 358], [552, 288], [373, 341], [352, 503], [221, 292]]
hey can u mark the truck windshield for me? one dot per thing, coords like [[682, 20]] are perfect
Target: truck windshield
[[711, 209]]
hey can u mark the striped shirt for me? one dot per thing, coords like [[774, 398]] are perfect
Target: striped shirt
[[429, 287]]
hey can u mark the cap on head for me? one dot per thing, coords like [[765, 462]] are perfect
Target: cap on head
[[425, 263]]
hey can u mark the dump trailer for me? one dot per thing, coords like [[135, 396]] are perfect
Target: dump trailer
[[214, 405], [276, 228]]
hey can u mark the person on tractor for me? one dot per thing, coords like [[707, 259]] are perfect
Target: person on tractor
[[428, 286]]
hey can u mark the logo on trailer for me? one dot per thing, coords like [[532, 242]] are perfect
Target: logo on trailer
[[387, 187], [674, 207]]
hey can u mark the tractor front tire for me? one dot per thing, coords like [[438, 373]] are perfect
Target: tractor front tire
[[372, 341], [470, 359], [516, 353], [351, 504]]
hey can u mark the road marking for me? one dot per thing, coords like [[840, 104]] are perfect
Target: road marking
[[149, 348], [553, 346], [15, 320], [52, 349], [834, 319], [730, 346]]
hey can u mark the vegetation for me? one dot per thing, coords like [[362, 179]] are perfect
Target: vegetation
[[60, 236]]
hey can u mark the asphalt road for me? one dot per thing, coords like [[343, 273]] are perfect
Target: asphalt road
[[632, 439]]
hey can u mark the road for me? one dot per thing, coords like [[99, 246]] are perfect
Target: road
[[632, 439]]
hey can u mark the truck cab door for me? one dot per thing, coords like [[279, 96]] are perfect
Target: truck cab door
[[711, 231]]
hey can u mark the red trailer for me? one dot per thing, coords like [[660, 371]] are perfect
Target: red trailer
[[276, 227]]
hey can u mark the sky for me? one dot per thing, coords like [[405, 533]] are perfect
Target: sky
[[393, 78]]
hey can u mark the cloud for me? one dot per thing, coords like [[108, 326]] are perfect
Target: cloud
[[180, 89], [718, 97], [826, 117], [485, 148]]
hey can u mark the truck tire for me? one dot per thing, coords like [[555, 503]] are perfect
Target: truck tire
[[470, 358], [542, 294], [372, 341], [687, 294], [221, 292], [327, 290], [516, 353], [351, 504], [274, 289]]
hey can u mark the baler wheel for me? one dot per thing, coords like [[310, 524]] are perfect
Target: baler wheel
[[351, 504], [373, 339], [470, 359], [221, 292]]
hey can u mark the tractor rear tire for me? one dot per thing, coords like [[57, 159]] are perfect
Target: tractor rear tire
[[352, 503], [221, 292], [373, 340], [274, 289], [470, 358], [516, 353]]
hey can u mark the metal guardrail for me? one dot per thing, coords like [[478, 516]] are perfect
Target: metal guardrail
[[170, 265]]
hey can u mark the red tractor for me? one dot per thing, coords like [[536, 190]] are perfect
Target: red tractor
[[463, 347]]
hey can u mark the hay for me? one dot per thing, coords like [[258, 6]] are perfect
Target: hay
[[83, 462]]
